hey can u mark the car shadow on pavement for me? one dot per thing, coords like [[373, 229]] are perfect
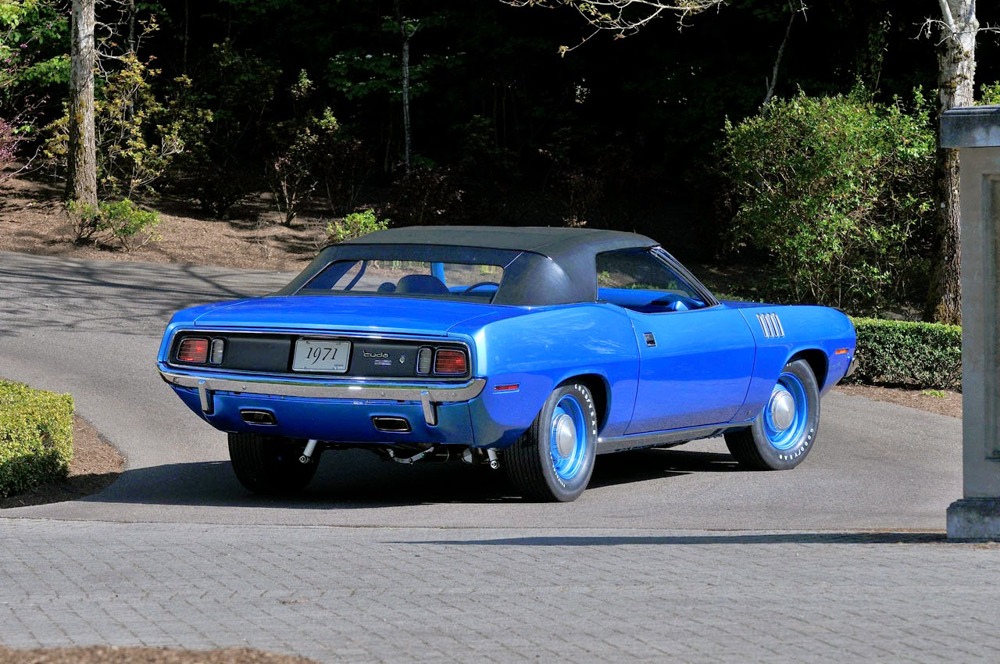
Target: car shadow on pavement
[[358, 479], [650, 464], [351, 481], [870, 538]]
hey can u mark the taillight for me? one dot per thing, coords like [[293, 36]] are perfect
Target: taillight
[[193, 350], [449, 362]]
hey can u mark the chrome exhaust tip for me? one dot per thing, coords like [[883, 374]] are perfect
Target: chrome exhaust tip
[[387, 424], [259, 417]]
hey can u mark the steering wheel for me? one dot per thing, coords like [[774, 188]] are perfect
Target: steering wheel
[[481, 284]]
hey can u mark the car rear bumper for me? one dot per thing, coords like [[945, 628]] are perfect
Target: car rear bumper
[[346, 412], [432, 394]]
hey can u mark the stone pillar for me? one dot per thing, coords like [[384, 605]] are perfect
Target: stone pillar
[[975, 132]]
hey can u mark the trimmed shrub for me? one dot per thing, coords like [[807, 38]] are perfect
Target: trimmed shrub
[[925, 355], [36, 437]]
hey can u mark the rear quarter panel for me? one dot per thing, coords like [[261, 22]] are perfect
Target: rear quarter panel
[[542, 348]]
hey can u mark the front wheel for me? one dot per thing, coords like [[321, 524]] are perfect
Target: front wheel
[[269, 464], [784, 432], [554, 459]]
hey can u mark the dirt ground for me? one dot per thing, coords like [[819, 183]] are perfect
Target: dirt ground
[[942, 402], [32, 220]]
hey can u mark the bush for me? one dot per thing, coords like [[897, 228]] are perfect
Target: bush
[[355, 225], [427, 196], [837, 191], [924, 355], [219, 165], [294, 171], [121, 221], [127, 223], [36, 437]]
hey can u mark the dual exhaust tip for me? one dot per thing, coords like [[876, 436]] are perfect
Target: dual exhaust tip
[[258, 417], [383, 423], [387, 424]]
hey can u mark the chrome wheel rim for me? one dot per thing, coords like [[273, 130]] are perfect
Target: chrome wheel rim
[[568, 438], [787, 413]]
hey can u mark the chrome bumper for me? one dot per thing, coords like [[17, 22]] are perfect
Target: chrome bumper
[[428, 395]]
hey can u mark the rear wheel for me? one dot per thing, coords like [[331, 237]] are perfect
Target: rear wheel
[[554, 459], [784, 432], [269, 464]]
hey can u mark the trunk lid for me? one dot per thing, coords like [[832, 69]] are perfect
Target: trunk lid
[[389, 315]]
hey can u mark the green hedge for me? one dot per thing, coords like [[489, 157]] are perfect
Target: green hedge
[[36, 437], [923, 355]]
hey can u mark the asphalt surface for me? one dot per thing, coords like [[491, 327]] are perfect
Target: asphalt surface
[[671, 555]]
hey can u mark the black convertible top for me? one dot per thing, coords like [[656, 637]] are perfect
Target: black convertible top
[[542, 265], [556, 243]]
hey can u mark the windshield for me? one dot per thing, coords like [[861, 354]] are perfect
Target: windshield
[[395, 278]]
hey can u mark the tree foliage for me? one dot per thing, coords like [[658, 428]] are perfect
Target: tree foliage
[[138, 134], [34, 62], [503, 129], [837, 193], [302, 146]]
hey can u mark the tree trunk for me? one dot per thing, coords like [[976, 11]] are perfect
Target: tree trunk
[[407, 140], [956, 88], [133, 45], [406, 32], [81, 181]]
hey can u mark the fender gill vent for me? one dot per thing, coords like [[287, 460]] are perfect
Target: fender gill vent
[[771, 325]]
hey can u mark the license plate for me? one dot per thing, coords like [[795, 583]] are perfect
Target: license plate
[[321, 356]]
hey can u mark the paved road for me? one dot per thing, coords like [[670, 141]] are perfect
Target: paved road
[[672, 554]]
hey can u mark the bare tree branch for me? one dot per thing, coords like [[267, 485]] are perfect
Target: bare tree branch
[[625, 17], [772, 83], [949, 20]]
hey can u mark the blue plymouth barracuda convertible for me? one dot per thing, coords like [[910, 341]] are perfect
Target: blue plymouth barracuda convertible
[[528, 349]]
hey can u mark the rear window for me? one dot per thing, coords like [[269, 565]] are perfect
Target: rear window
[[395, 278]]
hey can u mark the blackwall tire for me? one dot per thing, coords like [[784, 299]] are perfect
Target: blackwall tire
[[554, 459], [270, 465]]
